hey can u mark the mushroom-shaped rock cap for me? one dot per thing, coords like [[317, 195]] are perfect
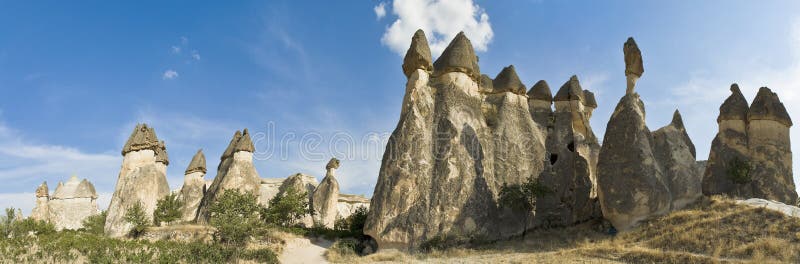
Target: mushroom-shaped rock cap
[[42, 190], [245, 143], [198, 163], [161, 153], [486, 83], [767, 106], [540, 91], [633, 58], [142, 137], [332, 164], [589, 100], [677, 120], [418, 55], [571, 90], [74, 188], [735, 107], [508, 81], [229, 150], [459, 56]]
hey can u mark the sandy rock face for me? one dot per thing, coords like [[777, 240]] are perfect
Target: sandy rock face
[[570, 173], [631, 184], [326, 196], [675, 152], [451, 152], [142, 179], [71, 203], [751, 155], [303, 183], [193, 187], [349, 203], [41, 211], [235, 171]]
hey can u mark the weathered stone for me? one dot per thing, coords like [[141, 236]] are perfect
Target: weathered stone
[[540, 102], [418, 55], [161, 153], [268, 190], [767, 106], [735, 107], [728, 147], [631, 185], [770, 150], [540, 91], [676, 155], [570, 91], [236, 171], [41, 211], [302, 183], [141, 180], [788, 210], [450, 154], [486, 85], [194, 187], [459, 56], [349, 203], [326, 196], [508, 81], [634, 68], [589, 100], [69, 205]]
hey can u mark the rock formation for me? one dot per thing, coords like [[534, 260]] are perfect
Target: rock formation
[[751, 155], [573, 149], [142, 179], [41, 211], [303, 183], [634, 68], [453, 149], [326, 197], [418, 55], [540, 104], [194, 186], [71, 203], [676, 155], [235, 171], [349, 203]]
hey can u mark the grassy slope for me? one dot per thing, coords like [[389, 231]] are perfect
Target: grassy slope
[[714, 230]]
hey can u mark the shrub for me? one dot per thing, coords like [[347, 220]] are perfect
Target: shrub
[[95, 224], [739, 170], [235, 215], [285, 209], [522, 197], [168, 209], [136, 216], [353, 223]]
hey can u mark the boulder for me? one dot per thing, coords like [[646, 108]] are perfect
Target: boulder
[[675, 153], [788, 210], [325, 197], [141, 180], [418, 55], [631, 185], [235, 172], [451, 152], [634, 68], [194, 186]]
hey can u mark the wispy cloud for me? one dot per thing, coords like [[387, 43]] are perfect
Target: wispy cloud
[[169, 75], [176, 50], [195, 55], [380, 10], [441, 20]]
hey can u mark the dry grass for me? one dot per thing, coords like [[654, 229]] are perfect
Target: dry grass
[[714, 230]]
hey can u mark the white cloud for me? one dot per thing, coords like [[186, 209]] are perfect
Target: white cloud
[[380, 10], [176, 49], [441, 20], [184, 41], [169, 75], [195, 55]]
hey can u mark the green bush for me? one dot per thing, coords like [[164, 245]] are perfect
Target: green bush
[[138, 219], [235, 215], [168, 209], [285, 209], [353, 223], [522, 198], [95, 224], [739, 170]]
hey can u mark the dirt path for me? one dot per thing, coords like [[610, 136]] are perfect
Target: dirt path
[[303, 250]]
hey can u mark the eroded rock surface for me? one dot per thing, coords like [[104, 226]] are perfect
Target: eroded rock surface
[[194, 186], [675, 153], [326, 196]]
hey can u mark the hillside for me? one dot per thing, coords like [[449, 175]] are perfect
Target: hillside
[[713, 230]]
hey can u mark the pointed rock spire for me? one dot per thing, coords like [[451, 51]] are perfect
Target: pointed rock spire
[[589, 99], [142, 137], [245, 143], [735, 107], [486, 84], [677, 120], [42, 190], [161, 153], [767, 106], [418, 55], [540, 91], [571, 90], [198, 163], [229, 150], [459, 56], [508, 81]]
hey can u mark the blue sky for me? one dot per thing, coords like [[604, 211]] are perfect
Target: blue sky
[[76, 77]]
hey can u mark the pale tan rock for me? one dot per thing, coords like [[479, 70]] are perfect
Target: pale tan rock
[[634, 68], [194, 187], [41, 211], [540, 103], [141, 180], [728, 145], [418, 55], [349, 203], [508, 81], [302, 183], [326, 196], [71, 203], [459, 56]]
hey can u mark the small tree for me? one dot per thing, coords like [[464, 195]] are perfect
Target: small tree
[[136, 216], [94, 224], [739, 170], [235, 215], [522, 198], [353, 223], [168, 209], [285, 209]]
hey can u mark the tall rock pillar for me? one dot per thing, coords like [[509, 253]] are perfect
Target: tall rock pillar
[[326, 195], [770, 148], [194, 186], [41, 211]]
